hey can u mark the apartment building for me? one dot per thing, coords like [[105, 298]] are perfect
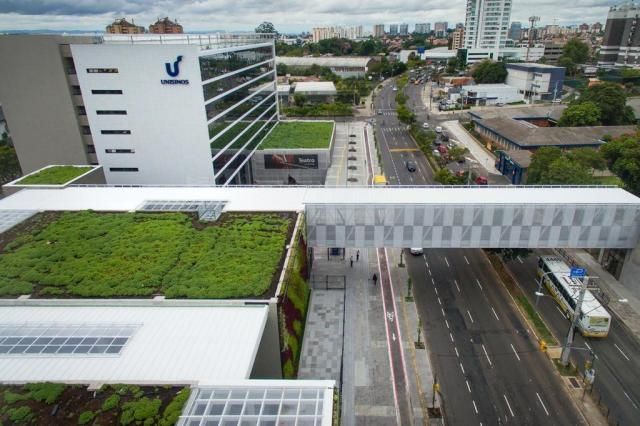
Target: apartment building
[[393, 29], [378, 30], [166, 26], [487, 23], [151, 109], [422, 28], [621, 42], [404, 29], [457, 41], [122, 26], [440, 28]]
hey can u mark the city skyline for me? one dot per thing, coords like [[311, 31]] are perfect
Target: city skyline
[[290, 17]]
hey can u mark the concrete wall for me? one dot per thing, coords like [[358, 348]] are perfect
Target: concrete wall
[[267, 364], [631, 272], [37, 101]]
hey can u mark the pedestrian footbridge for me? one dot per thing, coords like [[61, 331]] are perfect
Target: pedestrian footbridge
[[438, 216]]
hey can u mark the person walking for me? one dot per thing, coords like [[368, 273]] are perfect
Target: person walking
[[357, 255], [375, 278], [351, 260]]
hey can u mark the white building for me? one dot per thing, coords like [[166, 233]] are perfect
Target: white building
[[487, 23], [344, 66], [323, 33], [529, 54], [536, 81], [490, 94], [178, 109]]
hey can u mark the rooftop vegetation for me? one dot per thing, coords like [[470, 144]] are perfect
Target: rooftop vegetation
[[54, 403], [299, 135], [56, 175], [89, 254]]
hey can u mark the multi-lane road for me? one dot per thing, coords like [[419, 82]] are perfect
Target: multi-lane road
[[617, 362], [487, 365]]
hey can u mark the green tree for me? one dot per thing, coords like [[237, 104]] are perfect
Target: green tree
[[623, 158], [452, 65], [405, 115], [589, 158], [266, 28], [540, 161], [299, 99], [580, 114], [573, 53], [9, 165], [611, 100], [445, 177], [564, 171], [489, 72]]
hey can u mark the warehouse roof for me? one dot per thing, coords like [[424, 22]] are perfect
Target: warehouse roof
[[326, 88], [324, 61], [93, 342]]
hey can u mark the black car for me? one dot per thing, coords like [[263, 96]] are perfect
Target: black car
[[411, 166]]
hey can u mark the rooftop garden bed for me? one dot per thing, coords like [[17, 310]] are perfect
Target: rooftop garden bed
[[56, 175], [90, 254], [299, 135], [60, 404]]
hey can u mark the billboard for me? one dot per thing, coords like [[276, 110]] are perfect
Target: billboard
[[290, 161]]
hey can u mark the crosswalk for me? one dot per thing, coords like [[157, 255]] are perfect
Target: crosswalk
[[394, 129], [389, 113]]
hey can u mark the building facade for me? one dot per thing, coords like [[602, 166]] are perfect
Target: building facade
[[487, 22], [536, 81], [122, 26], [42, 101], [422, 28], [404, 29], [378, 30], [323, 33], [457, 41], [393, 29], [166, 26], [515, 31], [440, 28], [621, 42]]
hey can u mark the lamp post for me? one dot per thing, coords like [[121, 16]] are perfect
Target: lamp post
[[539, 292], [471, 161], [566, 350]]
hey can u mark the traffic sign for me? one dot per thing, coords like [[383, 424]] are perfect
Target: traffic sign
[[578, 272]]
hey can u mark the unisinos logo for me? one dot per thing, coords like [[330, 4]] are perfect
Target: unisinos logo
[[173, 71]]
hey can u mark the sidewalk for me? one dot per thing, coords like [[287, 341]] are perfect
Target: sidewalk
[[485, 159]]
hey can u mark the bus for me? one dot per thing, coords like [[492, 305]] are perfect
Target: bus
[[594, 321]]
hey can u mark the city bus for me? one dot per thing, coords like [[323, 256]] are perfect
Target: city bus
[[594, 321]]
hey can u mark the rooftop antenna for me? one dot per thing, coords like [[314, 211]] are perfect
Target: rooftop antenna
[[532, 22]]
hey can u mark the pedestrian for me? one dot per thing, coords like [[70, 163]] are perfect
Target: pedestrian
[[358, 255], [375, 278], [351, 260]]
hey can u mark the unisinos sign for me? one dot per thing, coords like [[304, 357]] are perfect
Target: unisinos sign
[[173, 71]]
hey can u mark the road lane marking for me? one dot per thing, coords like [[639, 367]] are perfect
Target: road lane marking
[[462, 368], [543, 406], [446, 261], [623, 354], [561, 313], [514, 351], [479, 285], [468, 387], [404, 150], [442, 312], [486, 354], [475, 407], [433, 281], [519, 259], [466, 260], [436, 290], [451, 337], [470, 317], [508, 405], [629, 398], [587, 345], [429, 271], [457, 354], [457, 286], [425, 260], [439, 302], [446, 322], [494, 313]]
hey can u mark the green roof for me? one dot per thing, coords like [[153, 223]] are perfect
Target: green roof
[[56, 175], [299, 135]]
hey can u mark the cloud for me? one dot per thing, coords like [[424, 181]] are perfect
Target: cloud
[[287, 15]]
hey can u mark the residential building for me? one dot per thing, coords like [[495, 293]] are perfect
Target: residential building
[[151, 109], [515, 31], [440, 28], [487, 23], [621, 43], [536, 81], [584, 28], [323, 33], [378, 30], [165, 26], [122, 26], [422, 28], [404, 29], [553, 52], [393, 29], [42, 101], [344, 66], [596, 28], [457, 41]]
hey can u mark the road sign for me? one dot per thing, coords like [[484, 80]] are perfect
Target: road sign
[[578, 272]]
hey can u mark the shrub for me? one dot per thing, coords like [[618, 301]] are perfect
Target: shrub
[[174, 409], [86, 417], [11, 398], [45, 392], [140, 411], [111, 402], [20, 415]]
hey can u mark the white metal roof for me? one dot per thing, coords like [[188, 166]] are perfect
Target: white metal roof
[[325, 61], [178, 345], [316, 87], [289, 198]]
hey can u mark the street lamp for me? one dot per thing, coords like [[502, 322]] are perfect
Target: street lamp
[[539, 292], [471, 161], [566, 350]]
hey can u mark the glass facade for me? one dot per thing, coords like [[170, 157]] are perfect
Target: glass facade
[[239, 90]]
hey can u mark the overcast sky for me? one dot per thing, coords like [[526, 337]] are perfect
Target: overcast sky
[[287, 15]]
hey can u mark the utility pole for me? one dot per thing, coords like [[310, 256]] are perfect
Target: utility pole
[[566, 350], [532, 21]]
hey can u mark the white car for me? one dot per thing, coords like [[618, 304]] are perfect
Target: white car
[[416, 251], [425, 125], [438, 129], [395, 89]]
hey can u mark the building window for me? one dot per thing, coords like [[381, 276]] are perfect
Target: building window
[[120, 151], [75, 90], [106, 92], [123, 169], [115, 132], [69, 66], [86, 130], [81, 110], [91, 149], [111, 112], [102, 70]]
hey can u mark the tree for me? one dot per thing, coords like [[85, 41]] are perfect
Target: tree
[[611, 100], [540, 161], [9, 165], [266, 28], [573, 53], [589, 158], [445, 177], [580, 114], [623, 158], [489, 72], [564, 171], [405, 115], [452, 65], [299, 99]]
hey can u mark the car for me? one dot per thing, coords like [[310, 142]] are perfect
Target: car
[[425, 125], [438, 129], [461, 160], [395, 89], [436, 153], [444, 137], [379, 112], [411, 166], [416, 251], [460, 173], [481, 180], [500, 104], [556, 101]]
